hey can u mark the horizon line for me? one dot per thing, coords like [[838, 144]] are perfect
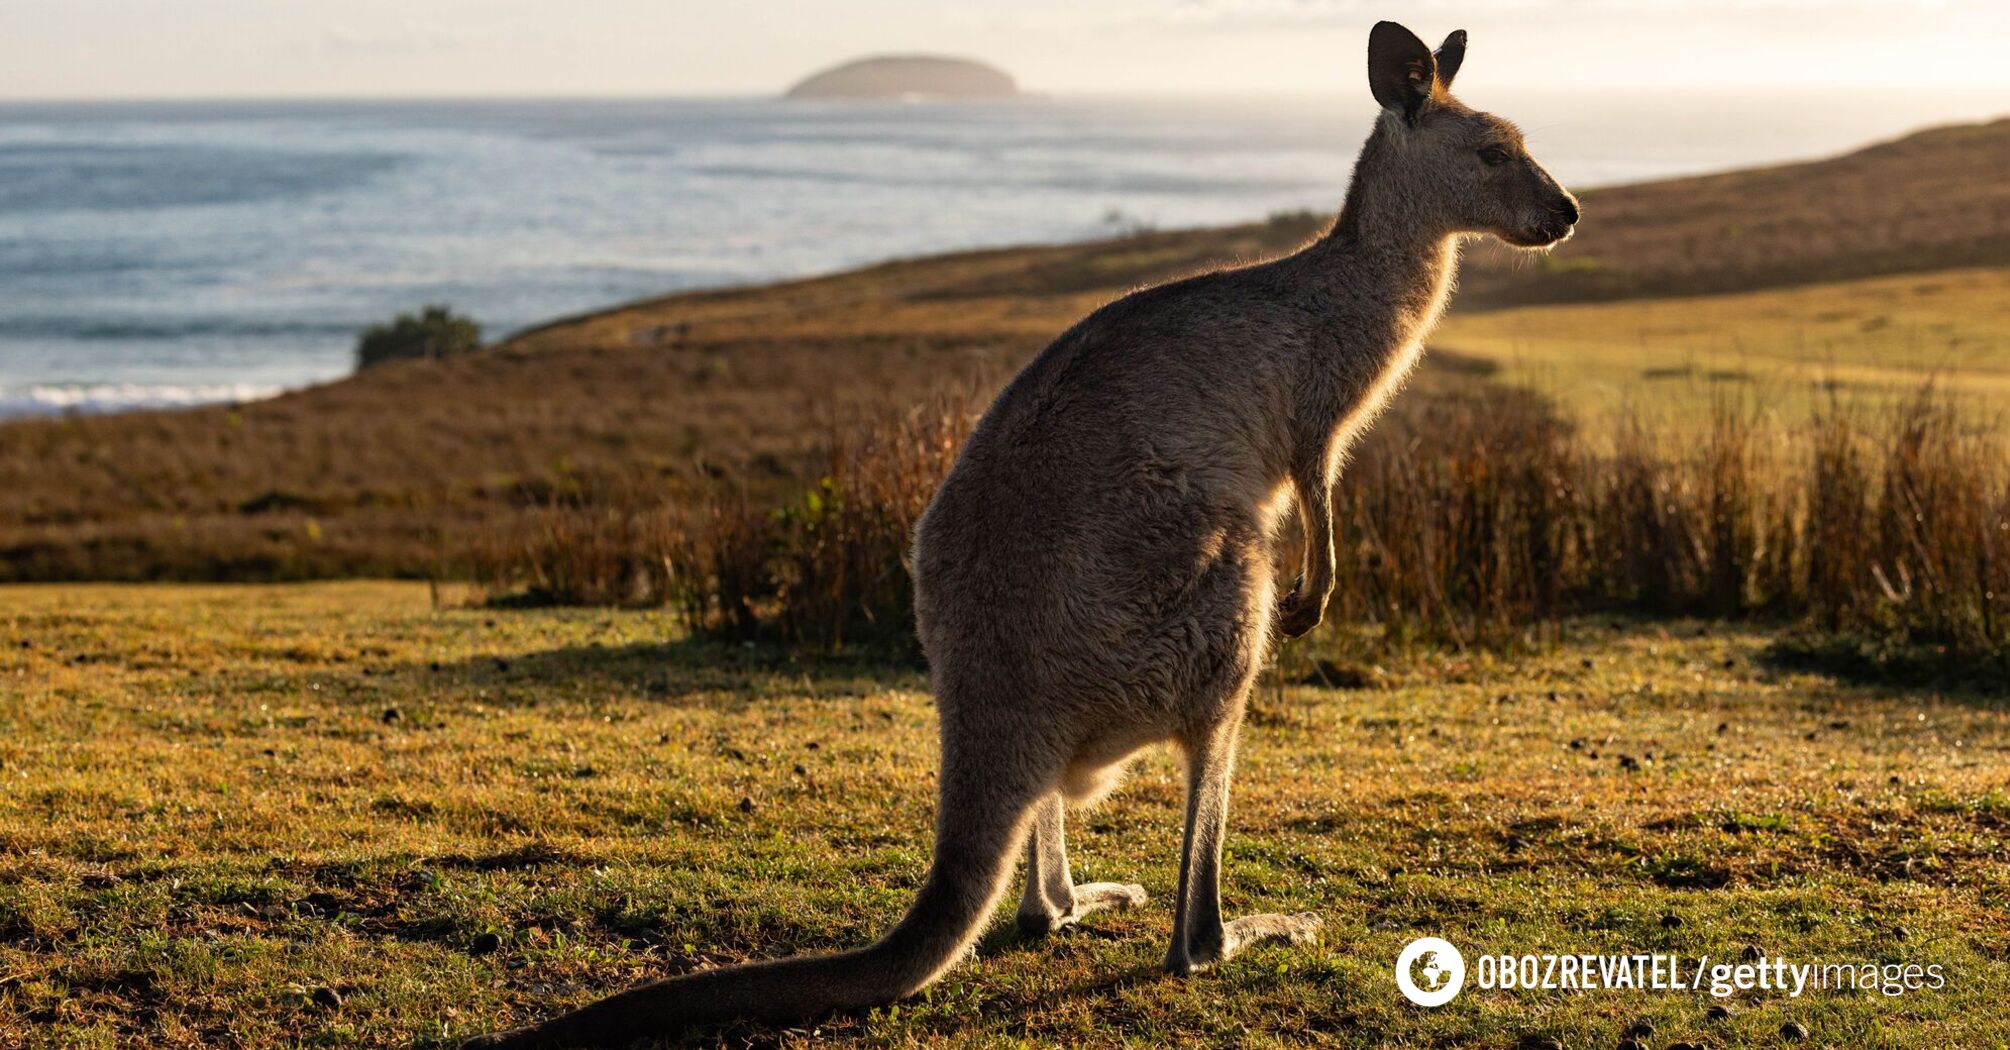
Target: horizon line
[[1030, 95]]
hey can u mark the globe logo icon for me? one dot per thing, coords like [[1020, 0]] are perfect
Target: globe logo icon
[[1430, 971], [1433, 974]]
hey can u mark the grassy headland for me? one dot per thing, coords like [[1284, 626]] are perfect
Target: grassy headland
[[405, 469]]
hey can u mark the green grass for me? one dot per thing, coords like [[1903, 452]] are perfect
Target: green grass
[[1873, 342], [209, 817]]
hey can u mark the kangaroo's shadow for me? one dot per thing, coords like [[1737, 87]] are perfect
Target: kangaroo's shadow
[[681, 672], [1975, 677]]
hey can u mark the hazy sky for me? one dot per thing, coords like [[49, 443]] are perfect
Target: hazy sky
[[129, 48]]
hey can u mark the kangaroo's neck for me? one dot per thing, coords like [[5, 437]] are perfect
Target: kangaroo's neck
[[1387, 267], [1391, 290], [1373, 288]]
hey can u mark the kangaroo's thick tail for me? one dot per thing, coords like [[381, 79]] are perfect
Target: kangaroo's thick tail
[[980, 829]]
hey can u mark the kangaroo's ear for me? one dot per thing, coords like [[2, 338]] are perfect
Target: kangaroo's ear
[[1401, 70], [1449, 55]]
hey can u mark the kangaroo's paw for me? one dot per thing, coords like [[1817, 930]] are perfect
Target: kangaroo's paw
[[1090, 897], [1223, 944], [1299, 611]]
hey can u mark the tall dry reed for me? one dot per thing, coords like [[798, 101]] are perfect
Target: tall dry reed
[[1472, 515]]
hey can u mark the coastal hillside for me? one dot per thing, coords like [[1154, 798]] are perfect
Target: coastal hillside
[[1936, 199], [392, 471]]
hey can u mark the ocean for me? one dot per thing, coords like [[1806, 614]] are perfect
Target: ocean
[[165, 253]]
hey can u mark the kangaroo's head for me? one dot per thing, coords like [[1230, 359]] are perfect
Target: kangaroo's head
[[1456, 169]]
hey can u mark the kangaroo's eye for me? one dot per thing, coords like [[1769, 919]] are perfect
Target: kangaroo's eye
[[1493, 155]]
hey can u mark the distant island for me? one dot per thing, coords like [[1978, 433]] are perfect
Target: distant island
[[907, 76]]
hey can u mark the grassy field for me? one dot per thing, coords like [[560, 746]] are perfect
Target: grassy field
[[1867, 341], [334, 815]]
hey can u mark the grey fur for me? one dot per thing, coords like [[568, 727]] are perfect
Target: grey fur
[[1095, 575]]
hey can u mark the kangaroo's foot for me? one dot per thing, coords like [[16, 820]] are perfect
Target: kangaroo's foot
[[1039, 917], [1208, 947]]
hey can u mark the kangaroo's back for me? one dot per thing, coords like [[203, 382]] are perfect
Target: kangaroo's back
[[1109, 466]]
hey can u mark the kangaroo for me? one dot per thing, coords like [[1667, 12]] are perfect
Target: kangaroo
[[1096, 574]]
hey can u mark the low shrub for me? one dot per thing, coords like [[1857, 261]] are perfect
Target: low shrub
[[434, 331]]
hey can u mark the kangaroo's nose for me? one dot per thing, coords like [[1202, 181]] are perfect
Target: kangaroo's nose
[[1567, 208]]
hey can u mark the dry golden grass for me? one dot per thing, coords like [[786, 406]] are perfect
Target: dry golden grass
[[1471, 515]]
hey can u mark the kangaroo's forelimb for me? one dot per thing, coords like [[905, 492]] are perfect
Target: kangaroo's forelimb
[[1305, 604]]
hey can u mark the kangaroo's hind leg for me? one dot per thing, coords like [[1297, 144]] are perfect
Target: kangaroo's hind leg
[[1226, 629], [1052, 899], [1200, 937]]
